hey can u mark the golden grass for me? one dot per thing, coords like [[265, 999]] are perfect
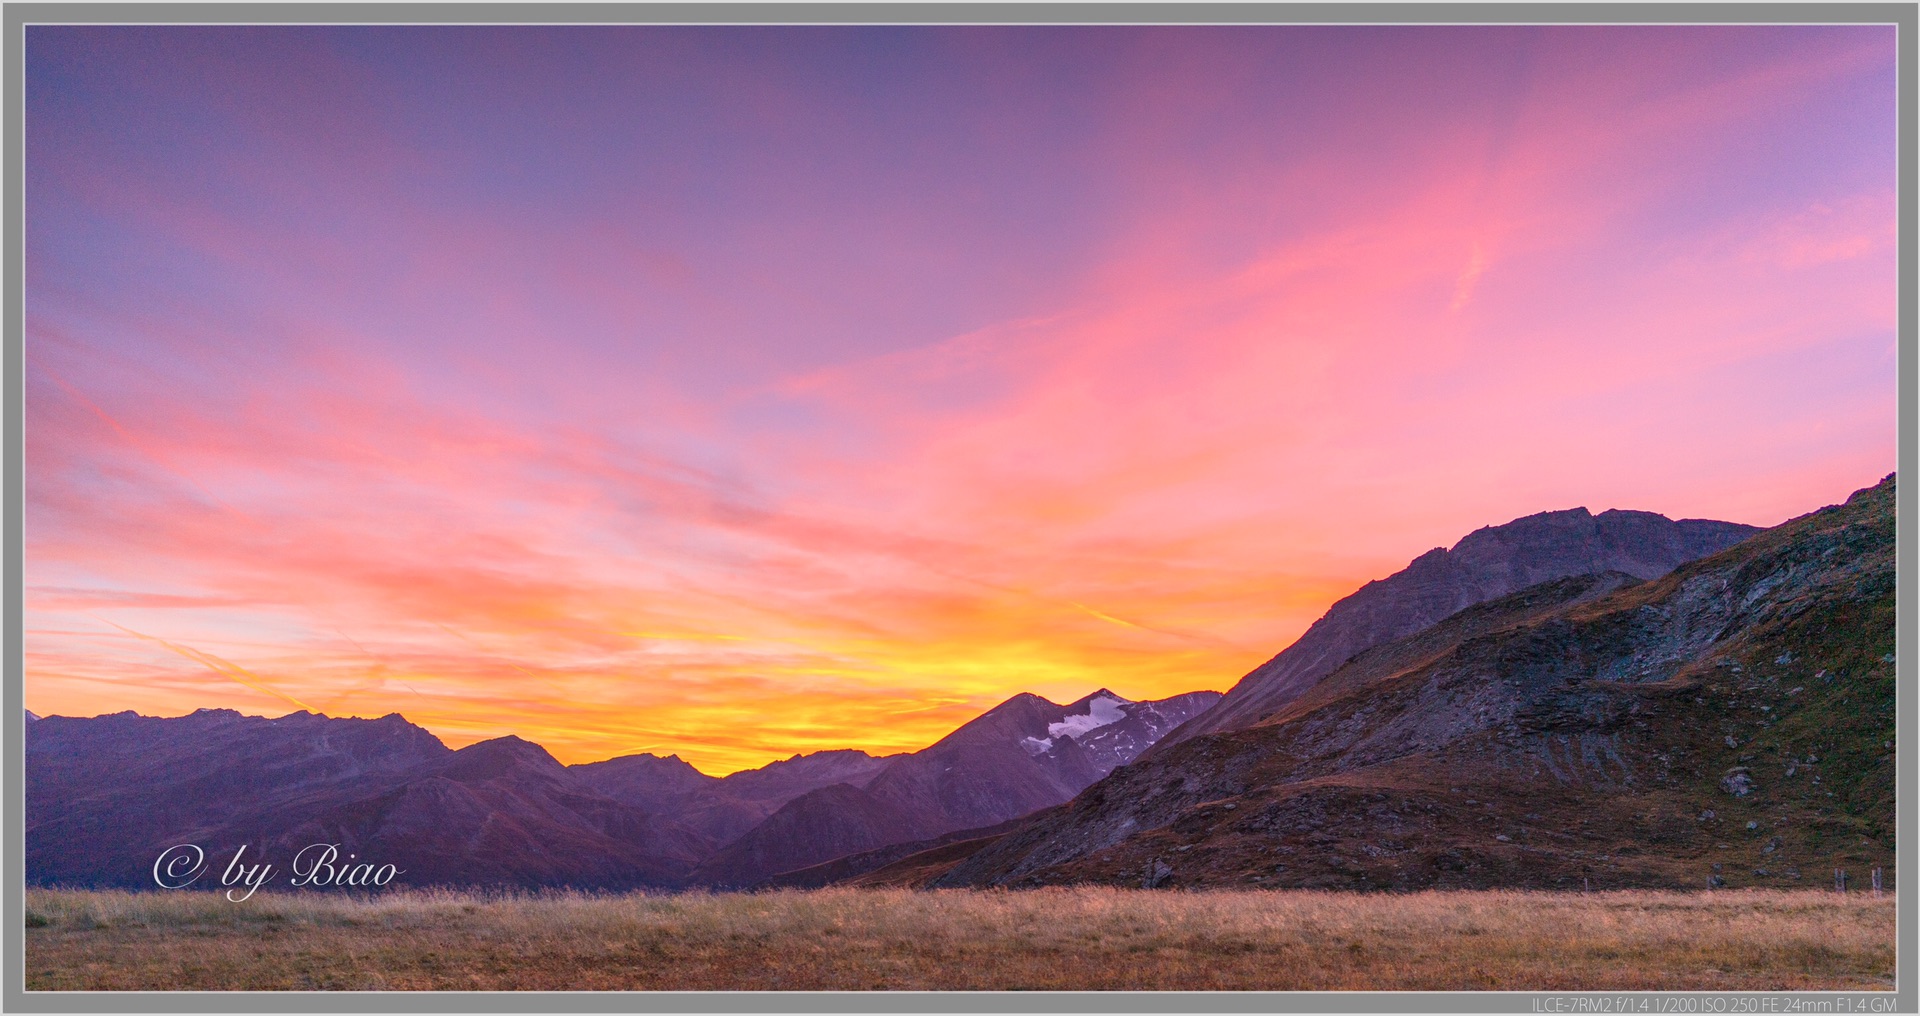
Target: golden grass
[[1069, 938]]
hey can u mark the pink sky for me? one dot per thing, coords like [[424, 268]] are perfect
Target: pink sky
[[742, 392]]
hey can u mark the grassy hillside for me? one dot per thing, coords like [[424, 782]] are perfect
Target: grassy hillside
[[1083, 938]]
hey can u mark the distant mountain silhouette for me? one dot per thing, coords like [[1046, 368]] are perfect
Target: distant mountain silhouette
[[719, 809], [1020, 756], [106, 795]]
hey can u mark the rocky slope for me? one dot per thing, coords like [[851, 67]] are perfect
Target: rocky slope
[[1023, 755], [1730, 723], [1485, 564]]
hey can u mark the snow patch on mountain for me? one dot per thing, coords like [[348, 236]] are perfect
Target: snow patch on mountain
[[1100, 712]]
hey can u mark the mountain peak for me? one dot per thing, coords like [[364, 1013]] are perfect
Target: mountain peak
[[1102, 708], [1025, 696], [500, 756], [1487, 563], [1101, 694], [1547, 526], [505, 742]]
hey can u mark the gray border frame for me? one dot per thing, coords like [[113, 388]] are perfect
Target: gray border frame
[[1904, 16]]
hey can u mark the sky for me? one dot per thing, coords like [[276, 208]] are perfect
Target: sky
[[738, 392]]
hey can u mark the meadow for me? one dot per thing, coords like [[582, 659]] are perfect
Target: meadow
[[1048, 939]]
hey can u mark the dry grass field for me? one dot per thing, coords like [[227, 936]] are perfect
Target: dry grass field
[[1073, 938]]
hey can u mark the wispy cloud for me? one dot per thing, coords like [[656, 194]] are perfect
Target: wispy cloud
[[235, 672]]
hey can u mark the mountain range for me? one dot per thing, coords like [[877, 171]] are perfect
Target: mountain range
[[1730, 723], [106, 795], [1473, 690], [965, 780], [1486, 564]]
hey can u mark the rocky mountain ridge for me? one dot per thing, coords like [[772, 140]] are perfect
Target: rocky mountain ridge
[[1730, 723], [1488, 563], [1004, 799], [106, 795], [1023, 755]]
